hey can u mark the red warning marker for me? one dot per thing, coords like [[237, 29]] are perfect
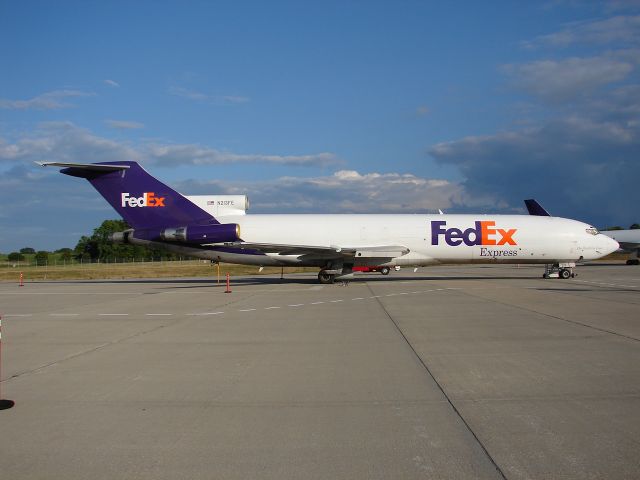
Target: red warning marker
[[21, 284], [228, 290]]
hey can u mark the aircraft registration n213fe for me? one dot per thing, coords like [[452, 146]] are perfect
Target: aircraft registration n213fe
[[216, 227]]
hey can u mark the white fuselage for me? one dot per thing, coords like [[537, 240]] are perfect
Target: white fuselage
[[429, 238]]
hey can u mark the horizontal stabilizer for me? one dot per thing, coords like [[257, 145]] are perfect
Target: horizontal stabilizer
[[95, 167]]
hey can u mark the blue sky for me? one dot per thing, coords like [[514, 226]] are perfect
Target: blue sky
[[321, 106]]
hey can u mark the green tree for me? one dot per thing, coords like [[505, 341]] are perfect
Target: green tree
[[635, 226], [27, 250], [65, 253], [42, 257], [107, 249], [98, 246], [15, 257], [86, 249], [612, 228]]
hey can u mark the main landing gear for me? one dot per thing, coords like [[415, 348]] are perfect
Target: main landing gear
[[560, 270], [326, 278]]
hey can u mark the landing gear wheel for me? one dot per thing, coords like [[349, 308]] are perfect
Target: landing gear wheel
[[385, 270], [564, 273], [633, 261], [325, 278]]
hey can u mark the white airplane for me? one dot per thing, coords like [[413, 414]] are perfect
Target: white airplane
[[216, 227], [629, 240]]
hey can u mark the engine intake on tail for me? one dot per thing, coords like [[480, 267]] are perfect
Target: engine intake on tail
[[226, 232], [120, 237]]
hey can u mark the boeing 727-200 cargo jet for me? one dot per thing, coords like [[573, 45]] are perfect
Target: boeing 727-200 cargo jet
[[217, 228]]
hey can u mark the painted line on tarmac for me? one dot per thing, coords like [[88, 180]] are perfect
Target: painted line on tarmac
[[244, 310], [202, 314], [607, 284]]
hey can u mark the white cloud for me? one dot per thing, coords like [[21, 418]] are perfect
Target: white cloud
[[124, 124], [621, 29], [564, 80], [112, 83], [185, 93], [348, 191], [205, 98], [47, 101], [66, 142], [191, 154]]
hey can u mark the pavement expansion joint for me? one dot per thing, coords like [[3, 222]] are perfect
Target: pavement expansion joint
[[441, 389]]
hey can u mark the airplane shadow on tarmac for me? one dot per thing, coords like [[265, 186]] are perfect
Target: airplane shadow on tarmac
[[291, 279]]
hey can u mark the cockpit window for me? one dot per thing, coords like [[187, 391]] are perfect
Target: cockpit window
[[592, 231]]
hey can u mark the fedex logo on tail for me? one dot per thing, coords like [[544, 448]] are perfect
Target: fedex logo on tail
[[484, 233], [148, 199]]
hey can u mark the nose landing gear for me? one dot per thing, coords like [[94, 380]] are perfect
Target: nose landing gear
[[559, 270]]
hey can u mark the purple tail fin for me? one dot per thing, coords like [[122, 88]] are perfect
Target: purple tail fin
[[139, 198], [534, 208]]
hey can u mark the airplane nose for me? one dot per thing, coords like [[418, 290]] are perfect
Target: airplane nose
[[610, 245]]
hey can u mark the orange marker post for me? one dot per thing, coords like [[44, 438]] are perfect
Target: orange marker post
[[228, 290], [21, 284]]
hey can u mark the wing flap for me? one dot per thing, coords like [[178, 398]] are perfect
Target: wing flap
[[374, 251]]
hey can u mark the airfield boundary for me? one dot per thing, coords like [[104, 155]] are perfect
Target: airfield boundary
[[164, 269]]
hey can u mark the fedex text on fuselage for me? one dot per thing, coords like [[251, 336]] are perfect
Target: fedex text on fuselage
[[483, 233]]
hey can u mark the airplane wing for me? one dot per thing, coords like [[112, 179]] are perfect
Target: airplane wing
[[369, 252]]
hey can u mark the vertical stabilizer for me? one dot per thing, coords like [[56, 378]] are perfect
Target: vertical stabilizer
[[534, 208], [140, 199]]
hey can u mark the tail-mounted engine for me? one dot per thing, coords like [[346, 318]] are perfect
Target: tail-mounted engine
[[225, 232], [195, 234]]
